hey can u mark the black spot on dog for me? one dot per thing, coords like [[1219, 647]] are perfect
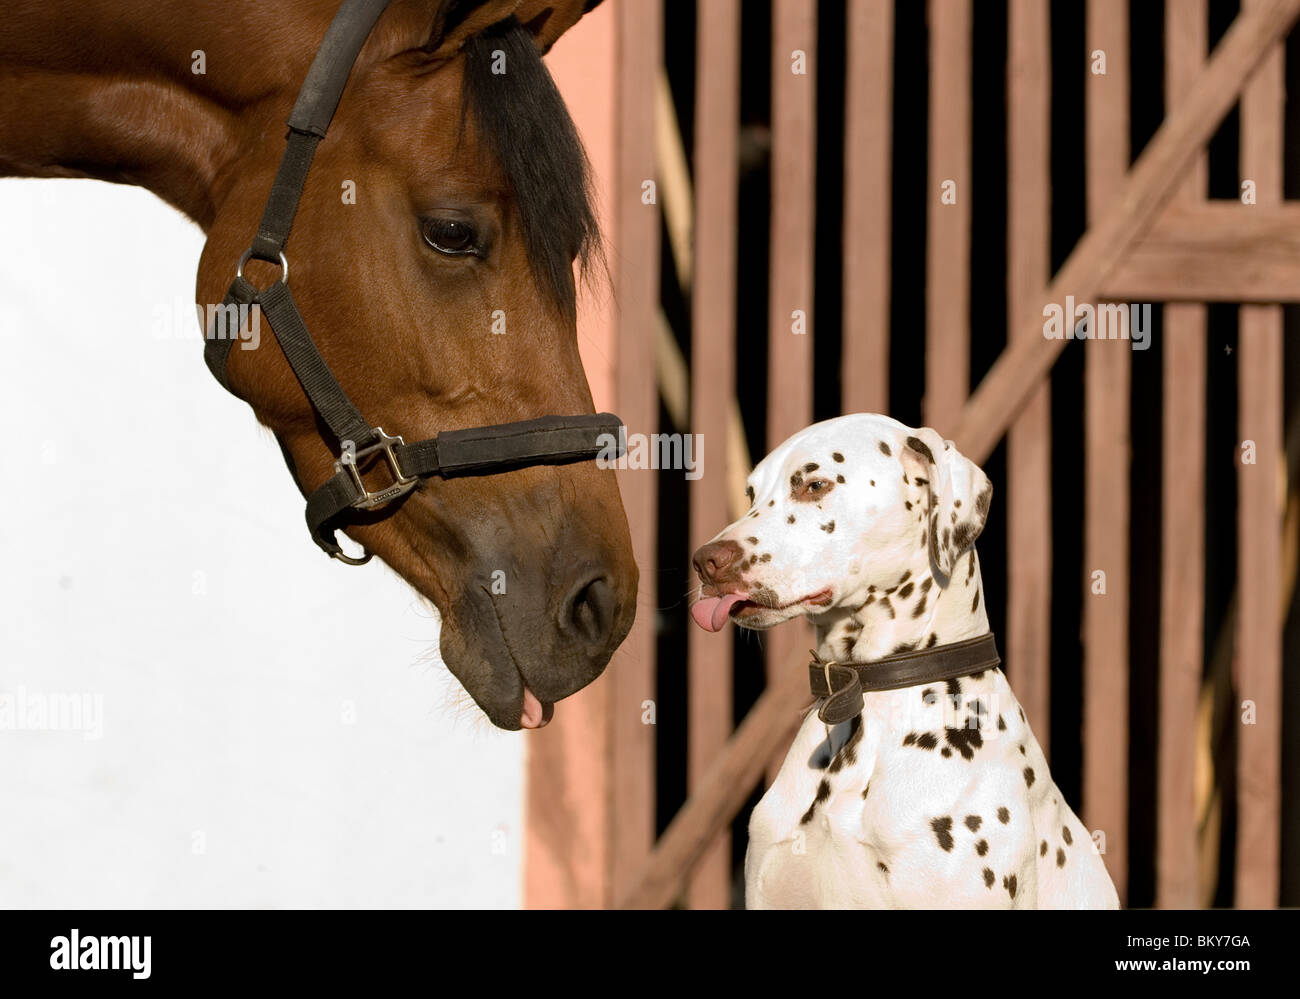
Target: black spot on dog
[[946, 532], [837, 456], [839, 479], [964, 740], [1004, 816], [888, 606], [946, 752], [922, 539], [870, 600], [920, 447], [924, 482], [882, 867], [873, 482], [934, 637], [908, 504], [1029, 776], [1065, 835], [989, 877], [982, 847], [974, 604], [943, 832], [848, 753], [865, 790], [926, 583], [1022, 713], [970, 572], [906, 591], [921, 740], [919, 609], [884, 449], [1042, 848], [973, 823], [928, 697], [812, 466], [956, 503], [904, 577], [823, 793], [790, 519], [749, 491], [766, 557], [1009, 883], [1060, 857], [903, 647], [771, 502], [752, 541], [1022, 750], [829, 528], [954, 687], [1002, 726]]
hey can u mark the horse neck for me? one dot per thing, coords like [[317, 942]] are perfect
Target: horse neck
[[106, 90]]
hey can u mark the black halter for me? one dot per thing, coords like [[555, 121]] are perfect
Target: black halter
[[549, 440]]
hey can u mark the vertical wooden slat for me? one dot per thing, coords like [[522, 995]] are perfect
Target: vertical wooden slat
[[1029, 453], [568, 835], [1260, 499], [868, 151], [790, 354], [713, 321], [947, 283], [1107, 449], [636, 283], [1182, 560]]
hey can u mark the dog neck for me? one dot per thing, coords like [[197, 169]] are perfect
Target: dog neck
[[915, 613]]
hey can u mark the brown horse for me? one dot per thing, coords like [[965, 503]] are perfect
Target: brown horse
[[448, 197]]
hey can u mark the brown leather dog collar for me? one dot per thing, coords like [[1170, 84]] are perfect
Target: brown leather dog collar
[[842, 684]]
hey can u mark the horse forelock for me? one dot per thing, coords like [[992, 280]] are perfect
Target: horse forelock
[[521, 118]]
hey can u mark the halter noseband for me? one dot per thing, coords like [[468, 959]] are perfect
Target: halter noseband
[[549, 440]]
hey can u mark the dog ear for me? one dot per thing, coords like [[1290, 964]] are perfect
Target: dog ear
[[958, 495], [457, 21]]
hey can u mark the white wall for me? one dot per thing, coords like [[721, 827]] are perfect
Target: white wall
[[154, 556]]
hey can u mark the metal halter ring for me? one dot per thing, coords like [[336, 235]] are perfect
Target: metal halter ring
[[247, 255]]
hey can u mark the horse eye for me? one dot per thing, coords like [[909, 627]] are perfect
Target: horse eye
[[454, 237]]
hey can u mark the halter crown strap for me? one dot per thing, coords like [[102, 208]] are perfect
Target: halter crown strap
[[550, 440], [842, 684]]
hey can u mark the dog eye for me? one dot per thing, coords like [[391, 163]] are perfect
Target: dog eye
[[452, 237], [814, 489]]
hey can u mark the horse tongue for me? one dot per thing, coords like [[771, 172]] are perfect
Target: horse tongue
[[711, 612], [535, 714]]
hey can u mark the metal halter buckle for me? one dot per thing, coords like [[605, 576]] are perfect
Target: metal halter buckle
[[352, 460]]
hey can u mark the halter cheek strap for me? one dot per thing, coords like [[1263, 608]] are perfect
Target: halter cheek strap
[[548, 440]]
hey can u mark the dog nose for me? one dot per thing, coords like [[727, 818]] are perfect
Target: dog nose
[[718, 562]]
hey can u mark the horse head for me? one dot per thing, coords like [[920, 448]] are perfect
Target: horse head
[[433, 257]]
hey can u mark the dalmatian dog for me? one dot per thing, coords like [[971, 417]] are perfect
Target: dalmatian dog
[[936, 795]]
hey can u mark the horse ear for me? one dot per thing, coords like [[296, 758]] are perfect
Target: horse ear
[[459, 20], [547, 20]]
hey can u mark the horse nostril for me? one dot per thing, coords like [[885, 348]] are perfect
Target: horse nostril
[[590, 611]]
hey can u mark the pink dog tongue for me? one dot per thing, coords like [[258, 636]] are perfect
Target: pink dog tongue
[[711, 612]]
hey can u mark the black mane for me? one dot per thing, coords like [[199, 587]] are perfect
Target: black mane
[[521, 117]]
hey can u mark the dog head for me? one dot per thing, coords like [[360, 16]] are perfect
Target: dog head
[[841, 510]]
